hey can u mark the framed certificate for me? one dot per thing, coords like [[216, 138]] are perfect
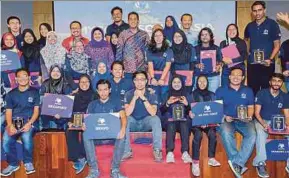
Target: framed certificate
[[77, 121], [208, 59]]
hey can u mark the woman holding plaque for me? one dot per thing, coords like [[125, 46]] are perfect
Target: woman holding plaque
[[234, 51], [44, 28], [176, 110], [202, 94], [56, 84], [83, 97], [159, 57]]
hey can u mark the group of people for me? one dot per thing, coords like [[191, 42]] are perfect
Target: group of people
[[126, 71]]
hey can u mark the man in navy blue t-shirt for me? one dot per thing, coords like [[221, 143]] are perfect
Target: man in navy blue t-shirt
[[141, 108], [263, 39], [234, 96], [268, 102], [105, 104], [22, 104]]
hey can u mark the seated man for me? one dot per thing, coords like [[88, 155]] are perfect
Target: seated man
[[106, 105], [141, 108], [22, 103], [234, 95]]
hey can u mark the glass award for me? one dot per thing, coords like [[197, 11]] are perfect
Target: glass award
[[242, 113], [259, 57], [278, 123], [18, 123], [77, 121], [178, 112]]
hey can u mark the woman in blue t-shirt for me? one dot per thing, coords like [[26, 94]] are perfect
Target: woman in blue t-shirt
[[159, 57], [176, 110], [101, 72]]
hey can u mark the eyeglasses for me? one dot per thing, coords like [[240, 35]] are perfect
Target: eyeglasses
[[140, 79], [84, 82]]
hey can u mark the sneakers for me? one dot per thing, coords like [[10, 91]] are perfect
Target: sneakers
[[75, 164], [116, 174], [93, 173], [186, 157], [287, 169], [9, 170], [237, 170], [81, 165], [170, 157], [261, 170], [29, 168], [196, 169], [158, 155], [213, 162], [126, 156]]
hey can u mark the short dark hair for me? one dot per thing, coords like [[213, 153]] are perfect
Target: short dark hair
[[262, 3], [212, 41], [139, 72], [277, 75], [237, 68], [186, 14], [103, 82], [133, 13], [75, 21], [22, 70], [117, 62], [13, 17], [115, 8]]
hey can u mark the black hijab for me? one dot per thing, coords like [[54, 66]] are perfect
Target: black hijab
[[199, 93], [55, 86], [42, 39], [83, 98], [113, 46], [173, 92], [30, 51], [182, 51]]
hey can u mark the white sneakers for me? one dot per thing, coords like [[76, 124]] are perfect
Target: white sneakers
[[170, 157], [185, 157], [196, 166], [213, 162]]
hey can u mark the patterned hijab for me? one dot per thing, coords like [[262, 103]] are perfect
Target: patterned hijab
[[53, 53]]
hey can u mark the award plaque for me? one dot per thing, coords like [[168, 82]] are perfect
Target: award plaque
[[77, 121], [18, 123], [178, 112], [259, 57], [242, 113], [278, 123]]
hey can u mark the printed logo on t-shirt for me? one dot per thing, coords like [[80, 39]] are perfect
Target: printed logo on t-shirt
[[243, 95], [256, 99], [280, 105], [122, 92], [165, 55], [265, 32], [30, 99]]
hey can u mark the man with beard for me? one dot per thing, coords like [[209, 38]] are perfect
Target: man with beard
[[263, 41], [235, 95], [268, 102], [118, 24]]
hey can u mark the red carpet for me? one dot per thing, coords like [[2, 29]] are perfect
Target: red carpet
[[142, 164]]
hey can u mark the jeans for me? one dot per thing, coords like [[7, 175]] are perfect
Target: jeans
[[214, 83], [198, 134], [247, 130], [91, 157], [9, 147], [146, 124], [75, 146], [171, 135]]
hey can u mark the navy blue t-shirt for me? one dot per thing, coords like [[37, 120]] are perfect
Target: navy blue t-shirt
[[22, 103], [262, 37], [113, 28], [187, 66], [270, 105], [140, 112], [160, 59], [233, 98], [119, 89], [109, 106]]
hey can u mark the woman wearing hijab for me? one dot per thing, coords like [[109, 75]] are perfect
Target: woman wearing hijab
[[177, 99], [82, 98], [202, 94], [44, 28], [113, 43], [99, 49], [101, 72], [52, 53], [77, 62], [9, 43], [56, 84], [171, 26], [232, 38]]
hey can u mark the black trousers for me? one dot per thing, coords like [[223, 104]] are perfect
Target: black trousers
[[172, 128], [198, 135], [259, 76], [75, 145]]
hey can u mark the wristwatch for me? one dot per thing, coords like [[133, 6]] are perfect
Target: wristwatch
[[144, 100]]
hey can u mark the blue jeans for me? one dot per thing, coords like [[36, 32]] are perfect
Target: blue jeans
[[260, 143], [89, 146], [9, 147], [144, 125], [247, 130], [214, 83]]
